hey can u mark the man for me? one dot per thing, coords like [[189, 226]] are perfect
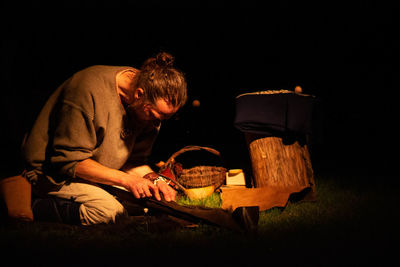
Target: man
[[98, 127]]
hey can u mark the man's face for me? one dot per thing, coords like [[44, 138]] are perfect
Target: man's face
[[160, 110]]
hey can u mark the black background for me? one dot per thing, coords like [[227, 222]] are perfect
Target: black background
[[341, 53]]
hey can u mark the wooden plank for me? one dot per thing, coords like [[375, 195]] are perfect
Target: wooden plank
[[265, 197]]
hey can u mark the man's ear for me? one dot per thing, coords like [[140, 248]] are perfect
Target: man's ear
[[139, 93]]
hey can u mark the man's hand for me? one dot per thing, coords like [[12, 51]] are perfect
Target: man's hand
[[93, 171], [168, 192], [142, 188]]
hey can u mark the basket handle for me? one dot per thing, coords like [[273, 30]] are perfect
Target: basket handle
[[190, 148]]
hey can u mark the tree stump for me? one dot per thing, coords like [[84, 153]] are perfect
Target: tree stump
[[281, 162]]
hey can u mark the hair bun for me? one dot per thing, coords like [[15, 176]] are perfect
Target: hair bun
[[164, 59]]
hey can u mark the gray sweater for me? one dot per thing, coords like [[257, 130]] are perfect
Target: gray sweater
[[84, 118]]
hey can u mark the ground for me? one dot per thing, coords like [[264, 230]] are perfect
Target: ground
[[353, 222]]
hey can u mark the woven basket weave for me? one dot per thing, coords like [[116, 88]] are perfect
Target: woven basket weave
[[198, 176]]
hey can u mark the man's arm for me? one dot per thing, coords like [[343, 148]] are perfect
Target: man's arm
[[93, 171], [141, 170]]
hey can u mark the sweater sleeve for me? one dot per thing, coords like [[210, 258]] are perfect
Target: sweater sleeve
[[74, 138]]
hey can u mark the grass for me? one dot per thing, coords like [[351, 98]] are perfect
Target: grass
[[353, 222], [213, 201]]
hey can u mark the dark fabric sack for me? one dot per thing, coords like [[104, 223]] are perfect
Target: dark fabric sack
[[271, 113]]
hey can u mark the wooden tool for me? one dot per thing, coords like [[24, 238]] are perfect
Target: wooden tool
[[242, 219]]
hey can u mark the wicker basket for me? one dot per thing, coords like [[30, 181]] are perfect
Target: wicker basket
[[198, 176]]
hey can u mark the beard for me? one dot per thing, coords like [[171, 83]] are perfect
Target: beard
[[136, 113], [136, 110]]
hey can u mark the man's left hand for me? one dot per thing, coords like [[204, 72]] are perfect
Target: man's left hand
[[168, 192]]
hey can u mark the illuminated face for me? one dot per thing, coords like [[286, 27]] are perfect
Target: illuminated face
[[160, 110], [145, 111]]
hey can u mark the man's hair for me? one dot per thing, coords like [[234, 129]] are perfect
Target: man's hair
[[160, 80]]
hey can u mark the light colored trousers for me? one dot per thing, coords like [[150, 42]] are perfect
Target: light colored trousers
[[98, 206]]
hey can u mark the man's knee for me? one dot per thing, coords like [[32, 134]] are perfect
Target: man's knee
[[98, 211], [97, 205]]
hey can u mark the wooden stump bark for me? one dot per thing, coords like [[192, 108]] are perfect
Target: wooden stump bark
[[278, 163]]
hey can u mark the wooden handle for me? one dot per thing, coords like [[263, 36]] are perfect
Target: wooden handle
[[190, 148]]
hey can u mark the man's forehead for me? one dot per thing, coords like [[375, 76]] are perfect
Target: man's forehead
[[164, 107]]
